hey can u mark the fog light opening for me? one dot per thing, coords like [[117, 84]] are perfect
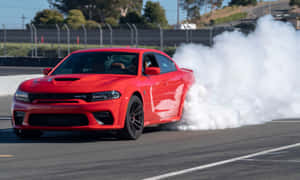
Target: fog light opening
[[104, 118], [19, 117]]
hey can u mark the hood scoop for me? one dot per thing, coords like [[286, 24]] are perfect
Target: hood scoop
[[66, 79]]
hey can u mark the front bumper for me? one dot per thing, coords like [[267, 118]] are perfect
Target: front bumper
[[82, 108]]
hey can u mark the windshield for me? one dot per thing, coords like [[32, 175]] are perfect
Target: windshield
[[99, 63]]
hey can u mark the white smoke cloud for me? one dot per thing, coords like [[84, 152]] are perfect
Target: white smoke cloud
[[243, 80]]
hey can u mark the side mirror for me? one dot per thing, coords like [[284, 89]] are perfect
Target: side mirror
[[152, 71], [46, 71]]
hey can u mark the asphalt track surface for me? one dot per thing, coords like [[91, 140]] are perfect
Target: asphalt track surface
[[11, 70], [79, 155]]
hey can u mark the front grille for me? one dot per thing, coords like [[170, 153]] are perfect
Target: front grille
[[49, 96], [58, 120], [55, 102]]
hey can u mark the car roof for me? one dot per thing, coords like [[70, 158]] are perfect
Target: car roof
[[122, 49]]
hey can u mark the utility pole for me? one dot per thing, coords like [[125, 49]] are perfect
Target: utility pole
[[23, 21], [270, 8], [178, 13]]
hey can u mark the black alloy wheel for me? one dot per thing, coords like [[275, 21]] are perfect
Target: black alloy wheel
[[134, 123]]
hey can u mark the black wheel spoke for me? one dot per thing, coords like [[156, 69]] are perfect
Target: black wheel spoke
[[138, 109], [139, 113], [133, 128], [134, 106], [135, 119], [137, 124]]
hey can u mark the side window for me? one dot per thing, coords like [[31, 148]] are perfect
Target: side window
[[149, 61], [165, 64]]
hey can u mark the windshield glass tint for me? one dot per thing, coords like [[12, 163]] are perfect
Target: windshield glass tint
[[99, 63]]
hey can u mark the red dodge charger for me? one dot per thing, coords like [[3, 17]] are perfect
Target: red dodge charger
[[123, 89]]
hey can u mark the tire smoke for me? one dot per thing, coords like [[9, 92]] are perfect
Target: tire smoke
[[243, 79]]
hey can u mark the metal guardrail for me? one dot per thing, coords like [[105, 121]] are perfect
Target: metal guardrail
[[131, 35]]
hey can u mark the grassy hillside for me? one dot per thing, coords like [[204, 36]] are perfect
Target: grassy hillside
[[227, 13], [233, 17]]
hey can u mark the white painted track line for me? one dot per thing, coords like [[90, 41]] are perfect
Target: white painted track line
[[285, 121], [272, 160], [197, 168], [5, 118]]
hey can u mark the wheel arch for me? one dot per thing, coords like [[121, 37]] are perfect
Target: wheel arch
[[126, 130], [125, 103], [183, 98], [139, 95]]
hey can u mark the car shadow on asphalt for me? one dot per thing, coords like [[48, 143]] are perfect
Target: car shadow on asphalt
[[8, 136]]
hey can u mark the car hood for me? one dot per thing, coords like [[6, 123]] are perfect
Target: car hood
[[76, 83]]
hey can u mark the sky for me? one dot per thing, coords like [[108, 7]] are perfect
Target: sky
[[171, 9], [11, 11]]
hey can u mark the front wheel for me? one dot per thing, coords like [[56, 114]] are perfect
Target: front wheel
[[134, 122]]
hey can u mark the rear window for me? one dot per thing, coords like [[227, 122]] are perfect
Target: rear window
[[165, 64]]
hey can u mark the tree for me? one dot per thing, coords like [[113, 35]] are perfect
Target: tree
[[66, 5], [112, 21], [125, 6], [242, 2], [295, 3], [193, 7], [91, 24], [75, 18], [215, 4], [155, 14], [132, 18], [99, 10], [48, 17]]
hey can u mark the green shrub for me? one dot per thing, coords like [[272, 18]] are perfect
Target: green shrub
[[112, 21], [75, 19]]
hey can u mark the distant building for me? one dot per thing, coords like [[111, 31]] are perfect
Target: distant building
[[186, 26]]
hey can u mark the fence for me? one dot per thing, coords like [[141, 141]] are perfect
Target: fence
[[61, 40]]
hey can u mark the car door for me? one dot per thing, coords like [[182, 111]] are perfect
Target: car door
[[173, 86], [157, 90]]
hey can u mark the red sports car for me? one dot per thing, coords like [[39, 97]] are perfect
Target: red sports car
[[123, 89]]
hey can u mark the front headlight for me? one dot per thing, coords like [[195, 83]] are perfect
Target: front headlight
[[105, 95], [22, 96]]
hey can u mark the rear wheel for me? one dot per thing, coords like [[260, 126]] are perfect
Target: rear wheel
[[134, 122], [28, 134]]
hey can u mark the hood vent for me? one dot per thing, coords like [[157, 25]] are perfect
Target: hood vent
[[66, 79]]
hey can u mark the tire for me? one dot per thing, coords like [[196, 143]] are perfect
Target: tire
[[134, 122], [28, 134]]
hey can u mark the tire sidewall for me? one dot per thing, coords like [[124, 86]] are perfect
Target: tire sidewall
[[127, 127]]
